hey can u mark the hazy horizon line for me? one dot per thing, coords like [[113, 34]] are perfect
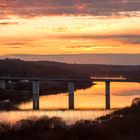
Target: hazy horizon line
[[71, 54], [108, 59]]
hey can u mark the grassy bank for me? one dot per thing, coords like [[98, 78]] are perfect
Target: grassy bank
[[123, 124]]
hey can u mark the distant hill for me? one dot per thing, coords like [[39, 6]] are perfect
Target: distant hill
[[131, 72], [16, 67], [19, 68]]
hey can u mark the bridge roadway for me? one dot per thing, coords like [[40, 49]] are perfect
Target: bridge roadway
[[36, 86], [94, 79]]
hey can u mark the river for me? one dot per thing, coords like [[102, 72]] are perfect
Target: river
[[89, 103]]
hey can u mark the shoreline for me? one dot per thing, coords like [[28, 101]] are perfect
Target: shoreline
[[62, 110]]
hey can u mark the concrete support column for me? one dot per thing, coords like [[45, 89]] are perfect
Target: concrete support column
[[2, 84], [107, 94], [35, 90], [71, 95]]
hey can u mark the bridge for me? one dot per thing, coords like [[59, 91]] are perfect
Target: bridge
[[36, 86]]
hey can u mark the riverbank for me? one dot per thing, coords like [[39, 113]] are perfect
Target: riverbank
[[123, 124]]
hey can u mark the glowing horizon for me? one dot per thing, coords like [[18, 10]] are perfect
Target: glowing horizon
[[70, 27]]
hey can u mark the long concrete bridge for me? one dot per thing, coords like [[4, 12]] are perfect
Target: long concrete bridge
[[36, 86]]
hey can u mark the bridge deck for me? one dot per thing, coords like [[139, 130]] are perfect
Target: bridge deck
[[73, 80]]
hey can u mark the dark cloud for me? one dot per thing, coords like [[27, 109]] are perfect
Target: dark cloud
[[8, 23], [101, 8], [14, 44], [125, 38], [13, 47], [92, 46]]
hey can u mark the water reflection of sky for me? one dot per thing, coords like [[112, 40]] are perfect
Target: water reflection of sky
[[122, 95], [68, 116]]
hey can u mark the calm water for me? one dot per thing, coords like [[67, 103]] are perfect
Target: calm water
[[92, 98], [122, 95]]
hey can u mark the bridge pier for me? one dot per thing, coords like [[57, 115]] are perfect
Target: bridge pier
[[2, 84], [107, 83], [35, 90], [71, 95]]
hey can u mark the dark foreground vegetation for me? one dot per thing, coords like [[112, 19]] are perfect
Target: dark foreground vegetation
[[120, 125]]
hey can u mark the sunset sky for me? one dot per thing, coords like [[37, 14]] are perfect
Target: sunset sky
[[69, 27]]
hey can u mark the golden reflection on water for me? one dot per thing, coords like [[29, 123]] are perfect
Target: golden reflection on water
[[69, 116], [122, 95]]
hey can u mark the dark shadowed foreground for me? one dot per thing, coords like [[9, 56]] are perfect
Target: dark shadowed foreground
[[121, 125]]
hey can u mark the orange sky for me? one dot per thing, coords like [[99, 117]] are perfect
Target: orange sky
[[58, 27]]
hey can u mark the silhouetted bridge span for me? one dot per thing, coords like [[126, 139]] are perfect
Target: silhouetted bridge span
[[36, 86]]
